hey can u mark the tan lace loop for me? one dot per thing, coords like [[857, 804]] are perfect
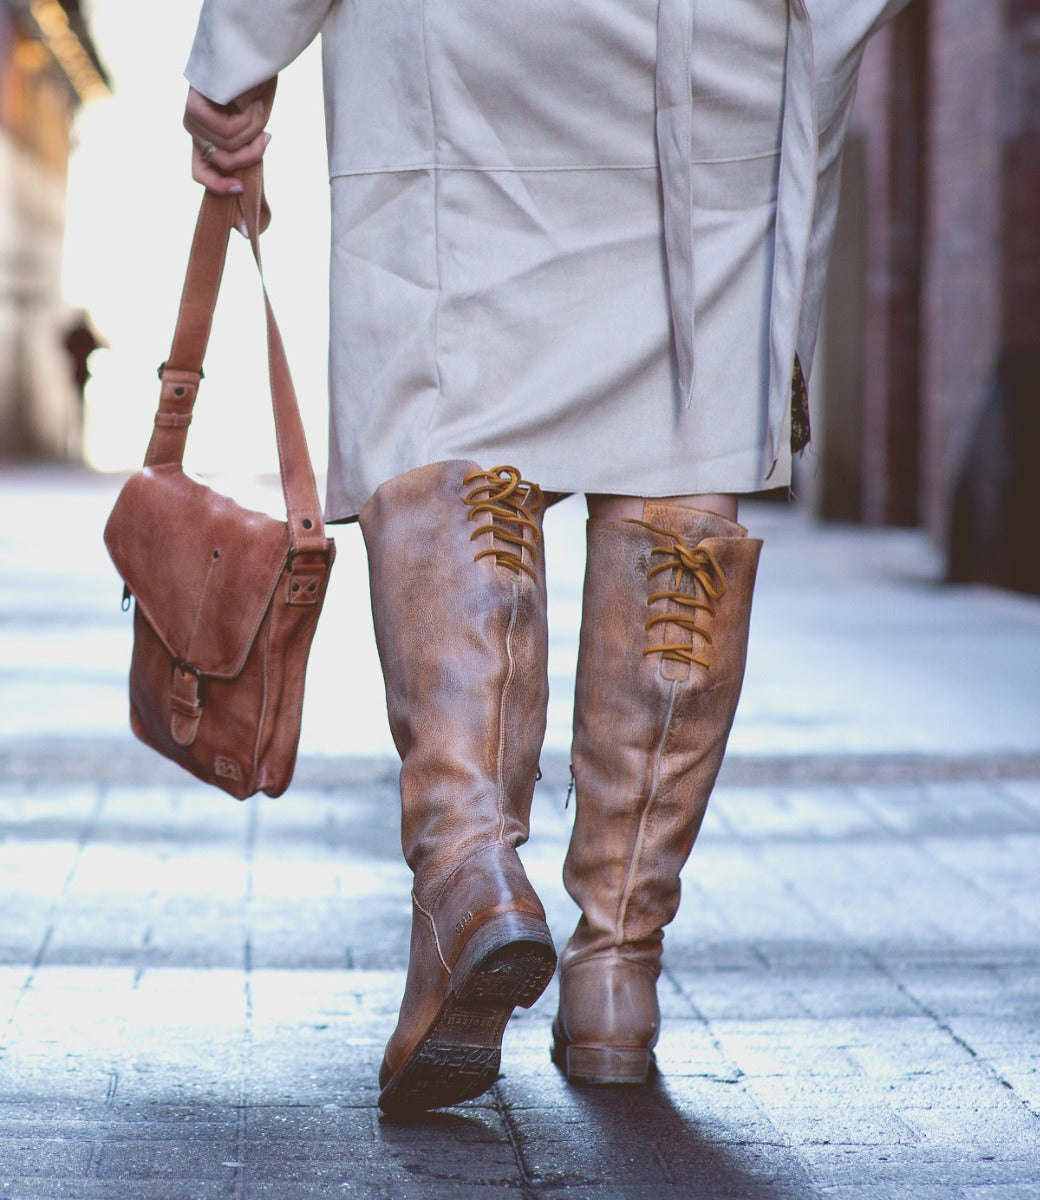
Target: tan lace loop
[[703, 567], [510, 502]]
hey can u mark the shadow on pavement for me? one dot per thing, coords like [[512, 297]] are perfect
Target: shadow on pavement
[[624, 1143]]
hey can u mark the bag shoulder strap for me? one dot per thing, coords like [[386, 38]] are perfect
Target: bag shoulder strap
[[182, 373]]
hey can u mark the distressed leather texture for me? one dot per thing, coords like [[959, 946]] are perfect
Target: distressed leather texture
[[226, 599], [649, 737], [463, 646], [204, 584]]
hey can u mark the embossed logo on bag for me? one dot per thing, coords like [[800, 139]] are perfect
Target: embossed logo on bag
[[227, 768]]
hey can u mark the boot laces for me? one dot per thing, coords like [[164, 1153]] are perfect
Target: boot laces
[[509, 502], [703, 568]]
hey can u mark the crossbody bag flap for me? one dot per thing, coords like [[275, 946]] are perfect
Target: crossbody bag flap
[[205, 591]]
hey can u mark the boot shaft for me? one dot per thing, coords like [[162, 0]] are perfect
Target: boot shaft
[[458, 603], [665, 620]]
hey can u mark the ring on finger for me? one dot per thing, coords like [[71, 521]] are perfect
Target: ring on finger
[[206, 149]]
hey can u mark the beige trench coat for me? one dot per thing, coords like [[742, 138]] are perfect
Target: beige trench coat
[[383, 124]]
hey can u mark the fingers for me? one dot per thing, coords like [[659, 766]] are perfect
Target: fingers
[[211, 179], [228, 137], [217, 169], [227, 127], [228, 162], [239, 120]]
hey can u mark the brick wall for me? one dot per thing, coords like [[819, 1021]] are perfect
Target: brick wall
[[1020, 106], [945, 174], [962, 301], [891, 123]]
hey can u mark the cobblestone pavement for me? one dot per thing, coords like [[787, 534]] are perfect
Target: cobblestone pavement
[[195, 994]]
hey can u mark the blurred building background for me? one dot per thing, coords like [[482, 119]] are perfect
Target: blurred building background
[[926, 389], [49, 67]]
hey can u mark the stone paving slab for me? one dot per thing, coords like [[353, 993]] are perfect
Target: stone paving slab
[[194, 997]]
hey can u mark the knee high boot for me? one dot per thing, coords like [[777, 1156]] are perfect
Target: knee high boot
[[458, 600], [661, 661]]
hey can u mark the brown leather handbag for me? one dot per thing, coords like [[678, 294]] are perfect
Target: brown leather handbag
[[226, 600]]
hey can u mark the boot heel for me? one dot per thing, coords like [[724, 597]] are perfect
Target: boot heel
[[507, 962], [607, 1064]]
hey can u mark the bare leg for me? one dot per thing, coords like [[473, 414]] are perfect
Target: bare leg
[[617, 507]]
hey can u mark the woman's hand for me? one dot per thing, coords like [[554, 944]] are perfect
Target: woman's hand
[[228, 137]]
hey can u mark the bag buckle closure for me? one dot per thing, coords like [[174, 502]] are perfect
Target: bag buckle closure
[[186, 702], [187, 668]]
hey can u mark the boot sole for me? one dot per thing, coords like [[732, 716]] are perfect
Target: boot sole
[[507, 963], [603, 1065]]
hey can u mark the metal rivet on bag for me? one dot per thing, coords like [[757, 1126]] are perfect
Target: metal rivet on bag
[[216, 554], [179, 391], [308, 523]]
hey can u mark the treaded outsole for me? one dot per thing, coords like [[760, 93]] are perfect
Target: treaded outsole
[[461, 1053]]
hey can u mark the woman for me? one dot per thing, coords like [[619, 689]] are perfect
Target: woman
[[588, 239]]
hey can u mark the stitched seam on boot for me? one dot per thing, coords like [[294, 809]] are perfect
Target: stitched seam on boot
[[637, 851], [433, 926], [506, 686]]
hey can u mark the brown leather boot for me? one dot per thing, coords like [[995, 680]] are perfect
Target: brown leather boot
[[458, 599], [660, 665]]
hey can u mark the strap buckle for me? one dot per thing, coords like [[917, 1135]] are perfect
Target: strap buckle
[[324, 555]]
